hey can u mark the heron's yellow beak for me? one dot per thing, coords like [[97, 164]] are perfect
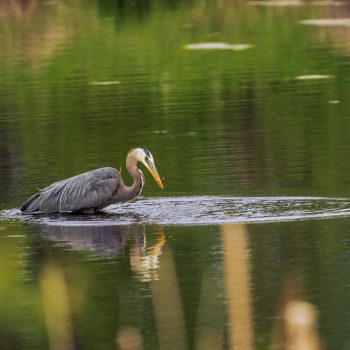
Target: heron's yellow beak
[[152, 169]]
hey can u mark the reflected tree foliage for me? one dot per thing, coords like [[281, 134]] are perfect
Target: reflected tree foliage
[[218, 122], [93, 286], [237, 111]]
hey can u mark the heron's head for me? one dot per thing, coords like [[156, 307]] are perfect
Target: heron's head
[[144, 156]]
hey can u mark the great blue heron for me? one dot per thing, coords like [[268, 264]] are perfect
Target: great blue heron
[[94, 190]]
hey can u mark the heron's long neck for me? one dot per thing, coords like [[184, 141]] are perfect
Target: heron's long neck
[[135, 189]]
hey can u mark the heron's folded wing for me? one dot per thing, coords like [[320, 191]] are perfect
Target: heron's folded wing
[[89, 190]]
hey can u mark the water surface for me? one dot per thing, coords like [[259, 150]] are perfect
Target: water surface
[[245, 108], [197, 210]]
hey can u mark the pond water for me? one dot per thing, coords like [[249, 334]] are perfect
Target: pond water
[[244, 106]]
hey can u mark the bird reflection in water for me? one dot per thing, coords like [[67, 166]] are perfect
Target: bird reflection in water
[[145, 261], [109, 241]]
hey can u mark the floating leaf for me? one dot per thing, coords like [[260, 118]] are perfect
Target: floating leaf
[[286, 3], [280, 3], [314, 77], [102, 83], [218, 46], [327, 22]]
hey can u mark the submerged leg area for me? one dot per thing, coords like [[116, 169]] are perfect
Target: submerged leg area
[[86, 211]]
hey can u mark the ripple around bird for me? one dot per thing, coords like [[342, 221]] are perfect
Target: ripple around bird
[[199, 210]]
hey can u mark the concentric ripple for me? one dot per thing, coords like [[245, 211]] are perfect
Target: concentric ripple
[[200, 210]]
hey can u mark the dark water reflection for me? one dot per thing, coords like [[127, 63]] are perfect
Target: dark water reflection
[[106, 241], [243, 136]]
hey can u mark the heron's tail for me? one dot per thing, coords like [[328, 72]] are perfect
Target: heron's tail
[[31, 205]]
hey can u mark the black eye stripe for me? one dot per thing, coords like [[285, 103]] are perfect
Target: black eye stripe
[[148, 153]]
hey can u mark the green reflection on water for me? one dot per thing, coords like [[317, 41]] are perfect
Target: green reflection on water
[[80, 88], [82, 82], [169, 286]]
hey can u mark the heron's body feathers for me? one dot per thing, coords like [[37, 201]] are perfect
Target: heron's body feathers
[[93, 189]]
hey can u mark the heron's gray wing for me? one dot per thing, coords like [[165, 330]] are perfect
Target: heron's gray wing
[[93, 189]]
